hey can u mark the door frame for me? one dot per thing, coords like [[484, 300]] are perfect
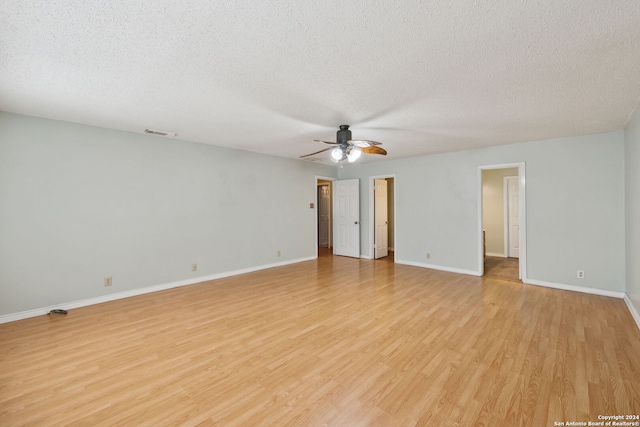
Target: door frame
[[522, 214], [372, 218], [315, 224]]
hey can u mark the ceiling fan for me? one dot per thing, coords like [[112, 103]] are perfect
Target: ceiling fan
[[347, 148]]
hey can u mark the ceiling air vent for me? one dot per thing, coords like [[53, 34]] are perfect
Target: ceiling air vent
[[160, 132]]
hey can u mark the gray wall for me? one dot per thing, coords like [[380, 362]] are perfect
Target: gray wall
[[574, 205], [632, 204], [78, 203]]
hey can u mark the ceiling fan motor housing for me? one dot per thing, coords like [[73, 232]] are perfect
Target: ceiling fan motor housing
[[343, 135]]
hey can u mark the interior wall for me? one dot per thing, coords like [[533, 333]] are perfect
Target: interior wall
[[574, 203], [493, 208], [632, 205], [80, 203]]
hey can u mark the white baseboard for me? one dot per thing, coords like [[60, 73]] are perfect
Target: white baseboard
[[141, 291], [363, 256], [594, 291], [439, 267], [496, 254], [632, 310]]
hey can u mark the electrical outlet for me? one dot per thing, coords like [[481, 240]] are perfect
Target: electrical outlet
[[580, 274], [108, 281], [194, 267], [428, 255], [278, 252]]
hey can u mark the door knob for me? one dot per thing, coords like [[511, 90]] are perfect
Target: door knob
[[356, 222]]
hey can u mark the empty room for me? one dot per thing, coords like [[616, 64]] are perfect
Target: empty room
[[320, 213]]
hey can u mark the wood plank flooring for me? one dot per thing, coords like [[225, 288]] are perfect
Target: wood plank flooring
[[334, 341], [501, 268]]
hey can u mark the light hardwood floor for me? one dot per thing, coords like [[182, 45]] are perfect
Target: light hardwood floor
[[501, 268], [335, 341]]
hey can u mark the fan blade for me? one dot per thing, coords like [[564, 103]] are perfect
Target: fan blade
[[364, 143], [317, 152], [374, 150], [326, 142]]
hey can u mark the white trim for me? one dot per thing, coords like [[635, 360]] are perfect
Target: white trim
[[497, 255], [141, 291], [363, 256], [438, 267], [372, 231], [503, 166], [632, 310], [481, 236], [522, 252], [584, 290], [506, 245]]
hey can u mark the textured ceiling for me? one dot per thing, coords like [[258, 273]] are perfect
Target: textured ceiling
[[270, 76]]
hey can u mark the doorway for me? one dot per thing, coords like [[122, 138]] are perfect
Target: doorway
[[324, 216], [501, 226], [382, 217]]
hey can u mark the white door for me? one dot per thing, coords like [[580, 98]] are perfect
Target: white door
[[513, 216], [381, 226], [346, 218], [323, 215]]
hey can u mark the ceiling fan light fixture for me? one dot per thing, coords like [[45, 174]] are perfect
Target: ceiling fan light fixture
[[347, 148], [336, 155], [354, 155]]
